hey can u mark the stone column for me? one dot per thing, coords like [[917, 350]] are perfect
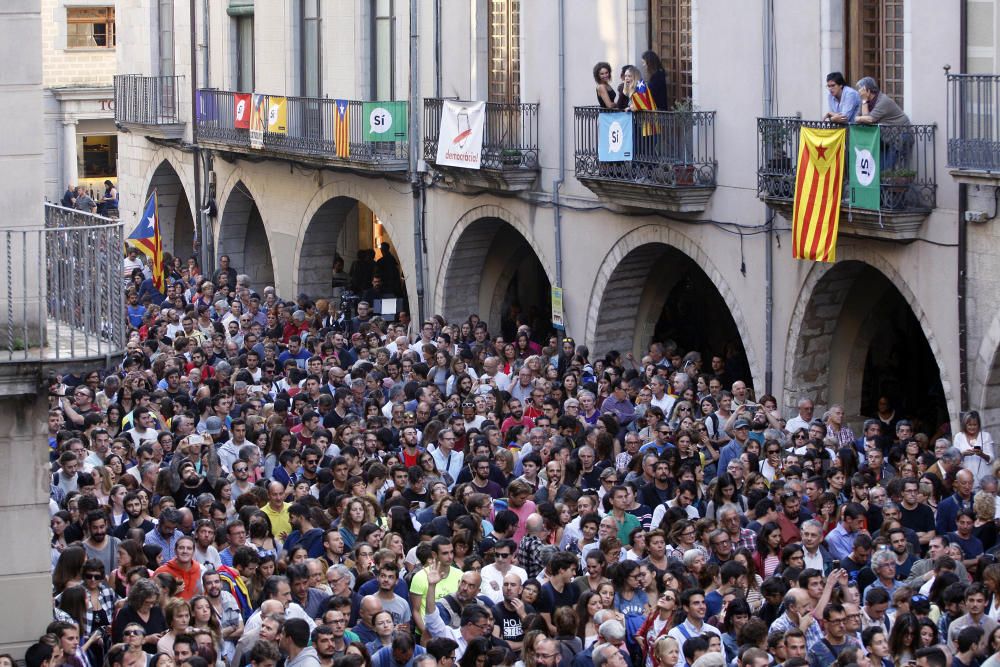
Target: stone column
[[69, 152]]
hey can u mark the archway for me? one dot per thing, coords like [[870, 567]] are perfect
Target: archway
[[176, 219], [859, 339], [493, 271], [243, 237], [345, 227], [658, 293]]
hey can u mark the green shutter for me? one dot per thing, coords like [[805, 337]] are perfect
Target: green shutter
[[240, 8]]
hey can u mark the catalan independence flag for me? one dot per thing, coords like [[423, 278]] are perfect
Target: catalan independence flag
[[642, 98], [342, 128], [146, 238], [818, 191]]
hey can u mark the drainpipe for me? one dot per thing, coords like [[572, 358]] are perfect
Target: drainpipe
[[963, 240], [437, 49], [416, 183], [558, 182], [768, 72], [201, 225]]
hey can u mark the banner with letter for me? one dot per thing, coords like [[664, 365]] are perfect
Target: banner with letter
[[818, 191], [460, 137], [864, 175], [241, 111], [258, 120], [614, 137], [385, 121], [208, 110], [277, 114]]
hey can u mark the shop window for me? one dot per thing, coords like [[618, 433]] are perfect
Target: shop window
[[90, 27], [98, 155]]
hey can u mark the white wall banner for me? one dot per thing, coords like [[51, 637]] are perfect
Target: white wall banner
[[460, 139]]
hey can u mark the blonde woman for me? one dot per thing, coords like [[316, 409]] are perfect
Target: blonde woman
[[666, 652]]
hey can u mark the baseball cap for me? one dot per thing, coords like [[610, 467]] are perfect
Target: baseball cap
[[741, 423], [213, 425]]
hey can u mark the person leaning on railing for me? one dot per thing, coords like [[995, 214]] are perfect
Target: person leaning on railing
[[877, 108]]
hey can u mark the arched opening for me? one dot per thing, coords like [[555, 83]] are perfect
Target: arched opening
[[243, 238], [176, 219], [494, 272], [657, 293], [860, 340], [345, 227]]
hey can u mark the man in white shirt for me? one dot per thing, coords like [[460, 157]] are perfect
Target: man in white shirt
[[494, 573], [661, 398], [491, 370], [693, 602], [803, 418]]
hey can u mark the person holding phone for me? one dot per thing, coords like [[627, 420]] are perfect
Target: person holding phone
[[976, 447]]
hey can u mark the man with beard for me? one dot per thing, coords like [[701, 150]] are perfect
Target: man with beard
[[136, 518], [205, 551], [660, 490], [303, 531], [192, 485], [225, 608], [313, 600], [516, 417], [99, 544], [333, 548]]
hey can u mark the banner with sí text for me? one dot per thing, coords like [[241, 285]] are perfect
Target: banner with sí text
[[241, 111]]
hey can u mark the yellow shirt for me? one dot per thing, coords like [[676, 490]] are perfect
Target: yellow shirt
[[280, 523]]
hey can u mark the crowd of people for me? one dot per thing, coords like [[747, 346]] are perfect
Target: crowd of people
[[267, 482]]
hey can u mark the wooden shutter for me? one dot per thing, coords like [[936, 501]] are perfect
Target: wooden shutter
[[875, 44], [670, 23], [505, 51]]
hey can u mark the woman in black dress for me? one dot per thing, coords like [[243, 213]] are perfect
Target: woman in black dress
[[606, 94], [656, 79]]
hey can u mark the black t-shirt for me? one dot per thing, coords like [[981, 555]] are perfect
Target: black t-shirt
[[509, 622], [920, 518], [412, 496], [549, 599], [121, 532], [187, 496]]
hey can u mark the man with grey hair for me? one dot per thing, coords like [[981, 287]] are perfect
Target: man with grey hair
[[610, 633], [272, 620], [729, 521], [607, 654], [424, 660], [877, 108], [277, 589], [884, 567], [804, 417], [661, 398]]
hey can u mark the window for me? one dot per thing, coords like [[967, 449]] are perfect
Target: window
[[90, 27], [383, 84], [97, 155], [875, 44], [310, 48], [505, 51], [670, 28], [244, 53], [165, 35]]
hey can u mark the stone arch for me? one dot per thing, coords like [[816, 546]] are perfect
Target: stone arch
[[838, 316], [322, 230], [487, 249], [176, 209], [986, 380], [243, 236], [625, 302]]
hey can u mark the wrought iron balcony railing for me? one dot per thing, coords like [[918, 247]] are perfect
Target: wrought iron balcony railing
[[63, 299], [310, 132], [510, 135], [907, 159], [670, 149], [974, 122], [147, 100]]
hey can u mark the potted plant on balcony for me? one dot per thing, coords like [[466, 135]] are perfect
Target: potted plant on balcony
[[683, 122], [896, 185], [511, 157]]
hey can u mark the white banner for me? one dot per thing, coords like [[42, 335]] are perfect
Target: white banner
[[460, 139]]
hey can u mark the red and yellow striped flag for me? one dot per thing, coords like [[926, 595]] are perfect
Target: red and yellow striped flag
[[818, 191], [342, 128]]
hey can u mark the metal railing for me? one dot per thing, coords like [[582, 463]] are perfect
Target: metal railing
[[64, 295], [974, 121], [310, 130], [147, 100], [669, 148], [906, 154], [510, 134]]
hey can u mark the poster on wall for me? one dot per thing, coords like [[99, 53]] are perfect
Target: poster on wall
[[460, 138], [258, 120]]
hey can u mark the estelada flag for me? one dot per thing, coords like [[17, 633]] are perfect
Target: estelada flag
[[241, 111], [642, 98], [342, 128], [146, 238], [818, 192]]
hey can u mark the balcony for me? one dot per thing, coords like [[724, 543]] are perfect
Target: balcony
[[673, 167], [907, 179], [510, 147], [974, 128], [62, 305], [149, 105], [310, 137]]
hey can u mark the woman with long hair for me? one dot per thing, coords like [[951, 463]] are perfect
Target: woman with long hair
[[754, 580], [589, 604], [59, 521], [204, 617], [130, 555], [726, 492], [261, 535], [768, 555], [737, 615], [69, 568], [71, 607], [280, 440], [657, 624], [904, 639], [385, 630], [351, 522]]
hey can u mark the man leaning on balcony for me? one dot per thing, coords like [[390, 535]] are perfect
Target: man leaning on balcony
[[877, 108], [844, 101]]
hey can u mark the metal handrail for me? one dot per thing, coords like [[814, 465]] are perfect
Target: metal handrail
[[973, 104], [64, 292], [670, 148], [147, 100], [510, 134], [310, 131], [906, 153]]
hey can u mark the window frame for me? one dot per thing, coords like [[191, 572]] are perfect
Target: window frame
[[90, 18], [375, 81]]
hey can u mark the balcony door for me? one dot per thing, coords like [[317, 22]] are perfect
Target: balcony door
[[670, 37], [874, 44], [504, 79], [164, 95]]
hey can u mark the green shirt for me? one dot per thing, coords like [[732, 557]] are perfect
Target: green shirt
[[625, 527]]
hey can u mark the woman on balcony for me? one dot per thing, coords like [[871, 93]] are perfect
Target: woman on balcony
[[656, 79], [606, 94]]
